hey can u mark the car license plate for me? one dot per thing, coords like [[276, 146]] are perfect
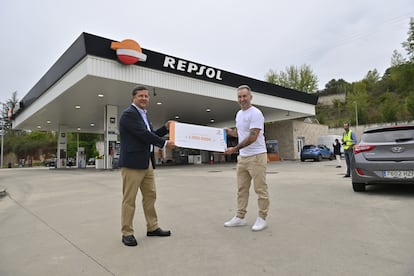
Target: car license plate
[[399, 174]]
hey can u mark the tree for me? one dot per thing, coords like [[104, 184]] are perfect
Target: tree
[[33, 144], [410, 105], [86, 140], [7, 110], [371, 79], [397, 58], [358, 99], [302, 79], [409, 43], [337, 87], [389, 107], [389, 98], [337, 104], [402, 78], [372, 76]]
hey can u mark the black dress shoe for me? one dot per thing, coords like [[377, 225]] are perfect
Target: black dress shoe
[[347, 175], [129, 240], [159, 233]]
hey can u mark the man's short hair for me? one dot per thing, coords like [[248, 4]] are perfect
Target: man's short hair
[[244, 87], [138, 88]]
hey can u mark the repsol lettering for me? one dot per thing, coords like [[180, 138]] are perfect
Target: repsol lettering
[[192, 68]]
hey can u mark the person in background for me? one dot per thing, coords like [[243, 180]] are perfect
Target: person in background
[[251, 161], [337, 152], [349, 140]]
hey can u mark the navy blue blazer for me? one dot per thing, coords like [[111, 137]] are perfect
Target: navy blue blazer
[[136, 140]]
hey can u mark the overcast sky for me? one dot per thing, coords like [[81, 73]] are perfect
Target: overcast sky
[[338, 39]]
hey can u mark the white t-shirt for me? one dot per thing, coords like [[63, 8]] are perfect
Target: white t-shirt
[[246, 120]]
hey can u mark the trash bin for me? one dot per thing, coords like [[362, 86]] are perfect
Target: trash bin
[[9, 165]]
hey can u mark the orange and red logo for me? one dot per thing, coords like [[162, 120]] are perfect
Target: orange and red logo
[[128, 51]]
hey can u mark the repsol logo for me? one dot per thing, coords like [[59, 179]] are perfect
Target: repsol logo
[[192, 68]]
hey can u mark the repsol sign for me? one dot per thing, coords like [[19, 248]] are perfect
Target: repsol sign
[[191, 68]]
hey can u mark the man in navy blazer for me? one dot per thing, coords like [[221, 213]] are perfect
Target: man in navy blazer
[[137, 163]]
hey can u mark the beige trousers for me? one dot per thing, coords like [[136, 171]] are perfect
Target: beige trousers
[[248, 169], [132, 180]]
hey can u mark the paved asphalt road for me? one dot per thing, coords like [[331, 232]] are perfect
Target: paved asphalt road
[[67, 222]]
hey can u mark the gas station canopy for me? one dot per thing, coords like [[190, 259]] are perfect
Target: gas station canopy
[[92, 75]]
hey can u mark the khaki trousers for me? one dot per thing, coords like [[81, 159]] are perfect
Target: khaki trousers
[[248, 169], [132, 180]]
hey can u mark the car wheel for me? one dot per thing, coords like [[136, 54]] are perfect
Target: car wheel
[[358, 187], [303, 160]]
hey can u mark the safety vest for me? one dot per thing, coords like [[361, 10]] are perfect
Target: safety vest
[[346, 138]]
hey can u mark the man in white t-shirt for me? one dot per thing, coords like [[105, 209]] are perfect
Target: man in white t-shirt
[[251, 161]]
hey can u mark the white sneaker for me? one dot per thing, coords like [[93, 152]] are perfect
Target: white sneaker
[[235, 221], [259, 225]]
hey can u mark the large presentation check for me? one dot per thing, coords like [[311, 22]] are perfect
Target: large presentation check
[[198, 137]]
